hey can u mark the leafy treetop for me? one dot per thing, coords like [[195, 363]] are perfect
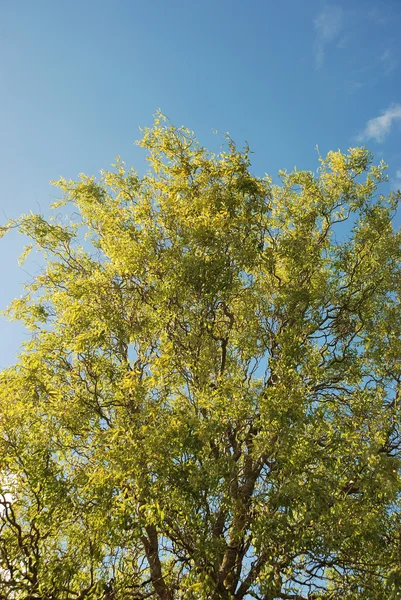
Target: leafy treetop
[[208, 405]]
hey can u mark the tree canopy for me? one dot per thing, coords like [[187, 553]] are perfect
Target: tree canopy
[[208, 406]]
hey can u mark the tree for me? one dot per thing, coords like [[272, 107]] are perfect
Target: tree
[[208, 405]]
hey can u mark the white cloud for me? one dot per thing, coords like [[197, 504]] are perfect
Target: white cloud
[[377, 15], [379, 127], [355, 86], [396, 182], [328, 25], [388, 61]]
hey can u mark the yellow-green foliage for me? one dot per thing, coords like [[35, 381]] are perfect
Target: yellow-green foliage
[[208, 406]]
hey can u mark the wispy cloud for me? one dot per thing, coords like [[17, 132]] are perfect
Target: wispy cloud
[[388, 61], [396, 182], [355, 86], [379, 127], [328, 25], [382, 15]]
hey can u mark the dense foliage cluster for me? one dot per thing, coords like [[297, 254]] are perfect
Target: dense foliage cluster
[[208, 405]]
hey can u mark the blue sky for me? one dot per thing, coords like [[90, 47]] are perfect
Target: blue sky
[[77, 79]]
